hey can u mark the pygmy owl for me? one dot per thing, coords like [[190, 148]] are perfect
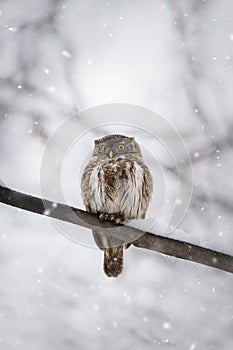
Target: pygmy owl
[[117, 185]]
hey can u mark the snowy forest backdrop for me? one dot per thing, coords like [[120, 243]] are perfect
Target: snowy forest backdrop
[[59, 57]]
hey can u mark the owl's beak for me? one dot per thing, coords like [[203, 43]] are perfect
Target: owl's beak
[[110, 154]]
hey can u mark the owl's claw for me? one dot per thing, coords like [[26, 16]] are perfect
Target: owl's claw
[[104, 216], [115, 218], [112, 217]]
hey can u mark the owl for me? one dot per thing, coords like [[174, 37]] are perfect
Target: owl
[[117, 185]]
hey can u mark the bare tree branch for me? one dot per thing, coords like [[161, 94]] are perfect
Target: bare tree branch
[[146, 240]]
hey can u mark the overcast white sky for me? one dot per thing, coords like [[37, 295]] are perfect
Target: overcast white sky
[[58, 58]]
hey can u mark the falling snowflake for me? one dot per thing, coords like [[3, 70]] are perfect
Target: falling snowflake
[[66, 54], [166, 325]]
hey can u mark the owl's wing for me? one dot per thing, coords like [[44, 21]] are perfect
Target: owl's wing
[[85, 184]]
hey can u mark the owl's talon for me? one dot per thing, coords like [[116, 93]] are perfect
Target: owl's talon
[[117, 221], [112, 217], [103, 216]]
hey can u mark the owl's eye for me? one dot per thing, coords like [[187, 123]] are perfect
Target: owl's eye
[[103, 148], [121, 147]]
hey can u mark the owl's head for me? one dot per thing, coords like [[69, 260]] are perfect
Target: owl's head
[[116, 146]]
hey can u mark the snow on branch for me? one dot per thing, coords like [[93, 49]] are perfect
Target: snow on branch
[[139, 238]]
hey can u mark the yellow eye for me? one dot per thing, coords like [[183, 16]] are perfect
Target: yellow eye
[[103, 148], [121, 147]]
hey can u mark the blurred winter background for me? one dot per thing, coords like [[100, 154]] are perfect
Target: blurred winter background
[[60, 57]]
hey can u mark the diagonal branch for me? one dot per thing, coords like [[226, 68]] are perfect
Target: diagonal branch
[[145, 240]]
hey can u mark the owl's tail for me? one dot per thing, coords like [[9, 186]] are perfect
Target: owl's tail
[[113, 261]]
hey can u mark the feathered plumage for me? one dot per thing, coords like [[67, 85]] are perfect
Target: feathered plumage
[[118, 185]]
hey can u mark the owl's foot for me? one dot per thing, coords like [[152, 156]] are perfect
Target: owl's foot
[[103, 216], [115, 218]]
